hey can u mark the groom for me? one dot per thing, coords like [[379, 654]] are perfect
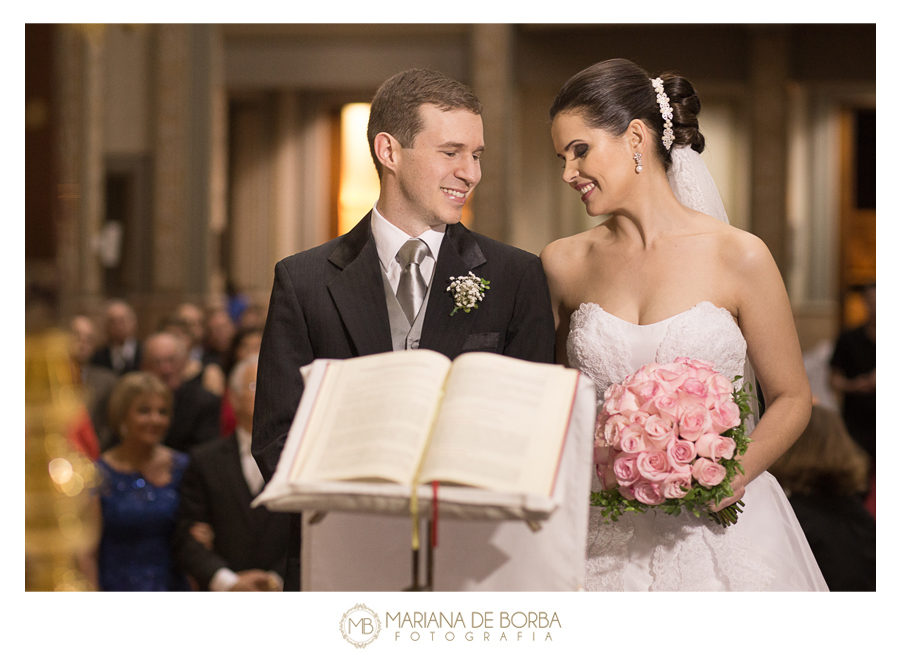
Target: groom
[[383, 285]]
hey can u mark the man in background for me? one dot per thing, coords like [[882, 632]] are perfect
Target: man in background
[[122, 352], [195, 411], [221, 542]]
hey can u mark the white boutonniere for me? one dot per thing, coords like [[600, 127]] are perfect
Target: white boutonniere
[[467, 291]]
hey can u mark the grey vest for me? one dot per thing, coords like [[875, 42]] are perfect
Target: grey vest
[[404, 336]]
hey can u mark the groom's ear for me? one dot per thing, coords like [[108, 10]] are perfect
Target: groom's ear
[[387, 150]]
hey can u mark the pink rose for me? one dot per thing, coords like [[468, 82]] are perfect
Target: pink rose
[[648, 493], [681, 452], [720, 385], [677, 485], [612, 429], [695, 388], [704, 371], [695, 363], [607, 477], [666, 406], [708, 473], [659, 431], [603, 459], [599, 426], [671, 376], [725, 416], [619, 400], [646, 371], [694, 422], [715, 447], [627, 492], [653, 465], [631, 439], [646, 390], [626, 471], [693, 391], [602, 455]]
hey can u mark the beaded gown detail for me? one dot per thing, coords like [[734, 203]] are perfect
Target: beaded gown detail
[[138, 522], [765, 550]]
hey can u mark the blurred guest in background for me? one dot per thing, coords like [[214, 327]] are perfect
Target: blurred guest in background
[[221, 542], [139, 493], [192, 317], [245, 343], [237, 301], [219, 333], [97, 382], [209, 375], [853, 376], [122, 352], [254, 316], [195, 411], [824, 475]]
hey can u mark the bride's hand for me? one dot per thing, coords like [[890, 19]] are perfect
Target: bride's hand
[[738, 494]]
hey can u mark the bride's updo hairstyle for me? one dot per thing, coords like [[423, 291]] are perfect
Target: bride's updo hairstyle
[[611, 94]]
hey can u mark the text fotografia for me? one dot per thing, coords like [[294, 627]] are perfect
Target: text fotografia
[[480, 626]]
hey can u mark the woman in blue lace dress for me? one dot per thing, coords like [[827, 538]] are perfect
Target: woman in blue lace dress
[[139, 494]]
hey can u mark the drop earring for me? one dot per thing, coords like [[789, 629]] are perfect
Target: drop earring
[[638, 167]]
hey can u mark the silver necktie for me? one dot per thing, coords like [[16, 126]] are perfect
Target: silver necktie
[[412, 287]]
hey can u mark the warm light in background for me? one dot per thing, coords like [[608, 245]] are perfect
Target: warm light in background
[[359, 180]]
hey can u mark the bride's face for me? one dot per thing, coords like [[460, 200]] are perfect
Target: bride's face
[[598, 165]]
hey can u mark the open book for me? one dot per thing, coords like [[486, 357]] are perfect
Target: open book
[[484, 421]]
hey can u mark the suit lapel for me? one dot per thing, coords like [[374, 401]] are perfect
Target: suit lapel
[[358, 292], [459, 254]]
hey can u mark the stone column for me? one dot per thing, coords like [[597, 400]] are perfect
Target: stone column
[[218, 166], [493, 83], [80, 188], [171, 158], [250, 194], [768, 197], [188, 145], [286, 177]]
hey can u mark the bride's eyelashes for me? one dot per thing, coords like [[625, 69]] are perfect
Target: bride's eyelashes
[[578, 153]]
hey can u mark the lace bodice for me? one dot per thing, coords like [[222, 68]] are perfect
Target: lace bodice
[[608, 349]]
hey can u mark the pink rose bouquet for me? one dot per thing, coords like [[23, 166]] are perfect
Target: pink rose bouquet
[[670, 437]]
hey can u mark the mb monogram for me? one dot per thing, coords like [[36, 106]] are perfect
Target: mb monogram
[[360, 626]]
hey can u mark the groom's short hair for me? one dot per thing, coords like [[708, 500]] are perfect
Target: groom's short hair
[[395, 107]]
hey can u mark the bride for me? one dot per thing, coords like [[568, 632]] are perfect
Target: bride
[[659, 279]]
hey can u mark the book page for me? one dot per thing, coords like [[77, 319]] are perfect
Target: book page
[[502, 424], [372, 417]]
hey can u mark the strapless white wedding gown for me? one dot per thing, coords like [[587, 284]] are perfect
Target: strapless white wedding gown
[[765, 550]]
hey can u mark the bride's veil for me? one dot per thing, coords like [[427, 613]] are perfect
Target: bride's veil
[[693, 185], [695, 188]]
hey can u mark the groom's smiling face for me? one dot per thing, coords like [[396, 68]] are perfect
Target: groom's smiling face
[[438, 172]]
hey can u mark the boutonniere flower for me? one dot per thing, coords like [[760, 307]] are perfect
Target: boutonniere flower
[[467, 291]]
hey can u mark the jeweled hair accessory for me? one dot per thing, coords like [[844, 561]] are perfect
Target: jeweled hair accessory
[[666, 111]]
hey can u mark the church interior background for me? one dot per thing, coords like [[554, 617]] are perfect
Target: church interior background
[[171, 162], [165, 161]]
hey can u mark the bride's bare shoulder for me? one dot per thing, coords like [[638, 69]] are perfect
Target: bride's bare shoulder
[[746, 253], [560, 255]]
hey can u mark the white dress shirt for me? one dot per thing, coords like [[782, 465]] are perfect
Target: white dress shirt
[[389, 239], [120, 355]]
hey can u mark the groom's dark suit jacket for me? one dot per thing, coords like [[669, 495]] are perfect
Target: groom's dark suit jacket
[[329, 302]]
